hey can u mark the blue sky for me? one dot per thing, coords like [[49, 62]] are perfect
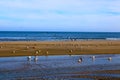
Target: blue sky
[[60, 15]]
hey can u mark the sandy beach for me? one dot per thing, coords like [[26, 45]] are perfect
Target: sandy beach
[[32, 48]]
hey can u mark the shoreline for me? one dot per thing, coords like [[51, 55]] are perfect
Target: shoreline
[[46, 48]]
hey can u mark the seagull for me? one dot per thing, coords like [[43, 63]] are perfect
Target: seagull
[[80, 60], [109, 58]]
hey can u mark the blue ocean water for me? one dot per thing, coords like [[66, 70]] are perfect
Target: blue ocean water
[[56, 36]]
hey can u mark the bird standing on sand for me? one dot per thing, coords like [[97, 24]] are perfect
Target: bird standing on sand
[[13, 51], [39, 51], [71, 51], [36, 53], [46, 53], [27, 47], [0, 46]]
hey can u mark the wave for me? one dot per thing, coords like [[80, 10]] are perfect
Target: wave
[[112, 38], [50, 38], [15, 39]]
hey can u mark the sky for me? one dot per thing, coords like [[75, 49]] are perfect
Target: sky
[[60, 15]]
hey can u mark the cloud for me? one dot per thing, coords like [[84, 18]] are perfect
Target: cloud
[[81, 14]]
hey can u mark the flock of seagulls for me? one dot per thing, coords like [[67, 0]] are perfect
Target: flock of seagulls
[[79, 60], [37, 52], [93, 58]]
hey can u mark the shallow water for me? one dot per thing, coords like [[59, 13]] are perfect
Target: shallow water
[[57, 67]]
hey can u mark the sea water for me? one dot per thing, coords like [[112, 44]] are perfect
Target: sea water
[[57, 36]]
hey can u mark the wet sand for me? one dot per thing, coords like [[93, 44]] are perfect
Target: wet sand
[[61, 68], [59, 48]]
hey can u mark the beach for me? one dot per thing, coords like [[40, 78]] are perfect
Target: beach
[[58, 60], [46, 48]]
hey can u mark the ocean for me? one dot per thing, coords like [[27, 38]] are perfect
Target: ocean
[[57, 36]]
